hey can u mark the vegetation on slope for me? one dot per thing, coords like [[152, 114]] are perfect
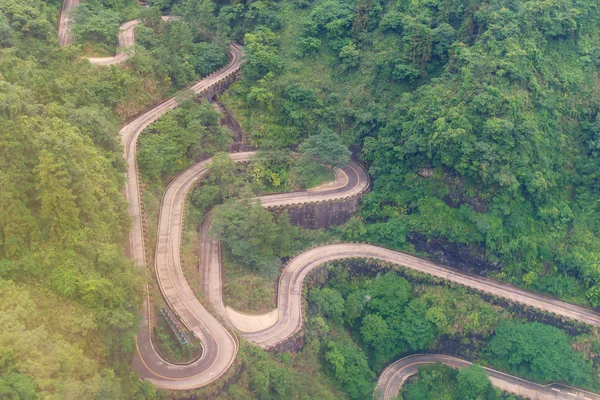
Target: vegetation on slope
[[477, 118], [69, 295], [366, 319], [442, 382]]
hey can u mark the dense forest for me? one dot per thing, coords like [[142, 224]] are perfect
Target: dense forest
[[477, 120]]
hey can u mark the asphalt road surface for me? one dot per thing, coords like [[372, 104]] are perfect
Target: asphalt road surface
[[219, 345], [394, 376], [65, 37]]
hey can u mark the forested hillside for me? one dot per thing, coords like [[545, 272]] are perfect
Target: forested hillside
[[69, 297], [478, 122], [477, 118]]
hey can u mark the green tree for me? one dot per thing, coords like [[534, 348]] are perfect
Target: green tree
[[416, 330], [541, 351], [473, 383], [253, 237], [329, 302], [17, 387], [327, 147], [350, 368]]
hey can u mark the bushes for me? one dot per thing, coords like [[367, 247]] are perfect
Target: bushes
[[252, 236], [539, 351], [175, 139]]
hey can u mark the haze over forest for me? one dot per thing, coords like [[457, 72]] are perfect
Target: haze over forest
[[476, 122]]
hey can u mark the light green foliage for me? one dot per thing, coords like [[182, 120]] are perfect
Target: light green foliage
[[271, 169], [457, 313], [327, 147], [69, 295], [278, 171], [252, 236], [175, 139], [62, 365], [175, 50], [264, 375], [540, 351], [350, 367]]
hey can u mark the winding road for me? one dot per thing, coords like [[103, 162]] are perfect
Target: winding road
[[394, 376], [219, 344], [126, 38]]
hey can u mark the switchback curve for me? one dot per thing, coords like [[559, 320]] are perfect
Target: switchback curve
[[220, 346], [126, 38], [125, 47], [394, 376]]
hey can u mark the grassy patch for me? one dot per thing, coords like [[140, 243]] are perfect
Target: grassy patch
[[246, 291]]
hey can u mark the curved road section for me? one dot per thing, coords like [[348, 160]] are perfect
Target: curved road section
[[220, 346], [289, 308], [125, 49], [394, 376], [126, 37], [351, 181]]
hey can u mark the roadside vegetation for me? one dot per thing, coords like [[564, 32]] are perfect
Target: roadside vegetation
[[69, 296], [442, 382], [479, 123], [255, 242], [365, 318]]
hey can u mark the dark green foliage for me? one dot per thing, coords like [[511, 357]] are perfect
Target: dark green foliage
[[439, 381], [176, 50], [17, 387], [416, 330], [350, 368], [539, 351], [470, 115], [95, 23], [474, 384], [329, 302], [390, 318]]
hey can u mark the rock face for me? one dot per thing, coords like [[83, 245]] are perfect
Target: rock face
[[321, 215]]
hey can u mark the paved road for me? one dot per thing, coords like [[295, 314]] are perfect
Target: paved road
[[65, 37], [126, 37], [125, 49], [351, 181], [289, 298], [394, 376], [220, 346]]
